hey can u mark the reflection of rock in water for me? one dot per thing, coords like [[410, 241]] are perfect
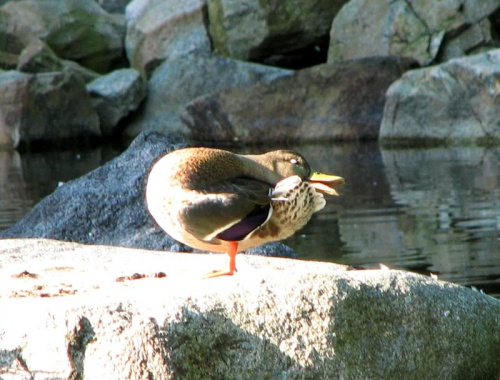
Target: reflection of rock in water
[[14, 201], [26, 178], [451, 207]]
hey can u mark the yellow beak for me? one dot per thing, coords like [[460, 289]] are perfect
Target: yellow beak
[[324, 182]]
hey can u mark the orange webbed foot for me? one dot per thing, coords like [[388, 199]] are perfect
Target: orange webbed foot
[[218, 273], [233, 249]]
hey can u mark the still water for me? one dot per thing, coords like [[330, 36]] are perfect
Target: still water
[[432, 210]]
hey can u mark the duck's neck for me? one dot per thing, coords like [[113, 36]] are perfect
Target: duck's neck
[[260, 171]]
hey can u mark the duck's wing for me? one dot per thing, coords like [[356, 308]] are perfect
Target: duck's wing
[[228, 211]]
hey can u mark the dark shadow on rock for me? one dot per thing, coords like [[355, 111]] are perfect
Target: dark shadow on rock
[[78, 339], [208, 345]]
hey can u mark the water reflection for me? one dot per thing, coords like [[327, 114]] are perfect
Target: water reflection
[[15, 198], [26, 178], [452, 208], [431, 210]]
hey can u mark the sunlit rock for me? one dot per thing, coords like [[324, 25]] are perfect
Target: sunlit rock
[[416, 29], [159, 30], [457, 100], [93, 312]]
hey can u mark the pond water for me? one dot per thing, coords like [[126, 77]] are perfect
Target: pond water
[[432, 210]]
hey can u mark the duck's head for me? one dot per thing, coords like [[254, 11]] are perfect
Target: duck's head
[[287, 163]]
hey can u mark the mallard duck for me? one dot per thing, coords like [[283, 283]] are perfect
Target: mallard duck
[[216, 200]]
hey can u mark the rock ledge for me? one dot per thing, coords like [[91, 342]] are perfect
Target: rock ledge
[[93, 312]]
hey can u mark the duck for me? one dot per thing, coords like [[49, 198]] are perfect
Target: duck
[[216, 200]]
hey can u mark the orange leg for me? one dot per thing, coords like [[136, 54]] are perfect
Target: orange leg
[[233, 250]]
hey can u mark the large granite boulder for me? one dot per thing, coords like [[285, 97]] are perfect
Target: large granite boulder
[[416, 29], [457, 100], [115, 95], [176, 82], [94, 312], [48, 107], [342, 101], [77, 30], [254, 30], [159, 30]]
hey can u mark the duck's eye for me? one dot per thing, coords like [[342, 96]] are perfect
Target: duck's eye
[[294, 161]]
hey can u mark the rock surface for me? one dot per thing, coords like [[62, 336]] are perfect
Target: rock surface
[[416, 29], [457, 100], [93, 312], [327, 102], [78, 30], [253, 30], [159, 30], [48, 107], [176, 82], [115, 95]]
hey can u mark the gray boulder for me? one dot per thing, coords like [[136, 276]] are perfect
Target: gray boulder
[[115, 95], [94, 312], [159, 29], [77, 30], [252, 30], [415, 29], [454, 101], [47, 107], [177, 82], [327, 102]]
